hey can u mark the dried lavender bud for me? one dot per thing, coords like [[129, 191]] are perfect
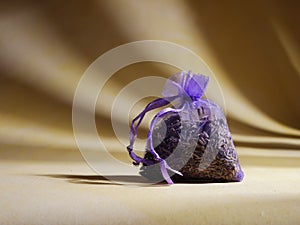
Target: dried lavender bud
[[214, 158]]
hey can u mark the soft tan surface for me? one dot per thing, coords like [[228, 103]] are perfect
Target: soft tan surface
[[48, 191], [45, 47]]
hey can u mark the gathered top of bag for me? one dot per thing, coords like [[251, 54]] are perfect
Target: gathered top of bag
[[186, 86]]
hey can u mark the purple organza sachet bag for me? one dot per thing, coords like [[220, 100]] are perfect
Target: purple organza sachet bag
[[189, 140]]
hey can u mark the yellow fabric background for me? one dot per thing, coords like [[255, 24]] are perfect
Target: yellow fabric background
[[253, 49]]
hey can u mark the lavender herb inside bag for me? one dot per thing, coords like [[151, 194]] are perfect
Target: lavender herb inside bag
[[189, 140]]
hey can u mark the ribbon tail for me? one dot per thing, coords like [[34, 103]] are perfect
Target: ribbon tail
[[164, 172], [163, 164], [164, 167]]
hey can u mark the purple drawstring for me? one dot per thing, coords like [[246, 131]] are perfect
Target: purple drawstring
[[157, 103], [134, 128]]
